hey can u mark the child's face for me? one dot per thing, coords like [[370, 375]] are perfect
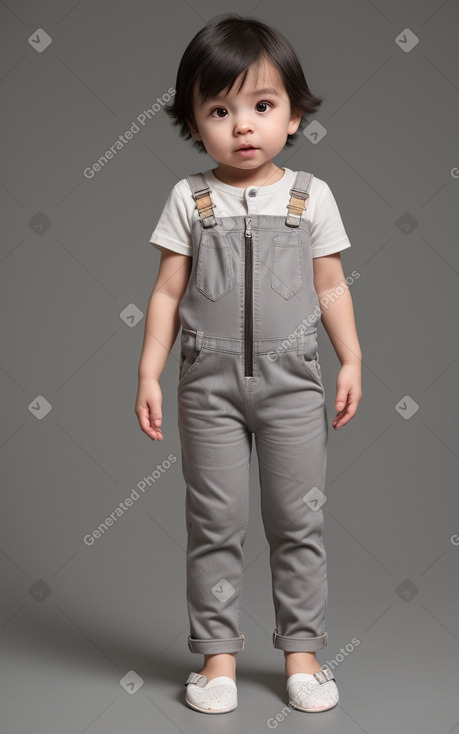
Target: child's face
[[262, 120]]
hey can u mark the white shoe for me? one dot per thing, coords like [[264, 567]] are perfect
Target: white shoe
[[216, 696], [312, 692]]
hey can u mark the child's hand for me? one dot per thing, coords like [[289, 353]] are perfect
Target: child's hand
[[148, 408], [349, 393]]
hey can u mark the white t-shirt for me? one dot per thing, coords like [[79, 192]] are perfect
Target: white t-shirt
[[173, 230]]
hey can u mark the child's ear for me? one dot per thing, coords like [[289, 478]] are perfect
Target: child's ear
[[295, 119], [193, 130]]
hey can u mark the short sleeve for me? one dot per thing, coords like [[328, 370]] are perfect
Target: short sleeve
[[327, 229], [173, 230]]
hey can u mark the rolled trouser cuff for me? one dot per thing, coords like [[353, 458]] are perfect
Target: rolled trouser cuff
[[211, 647], [299, 644]]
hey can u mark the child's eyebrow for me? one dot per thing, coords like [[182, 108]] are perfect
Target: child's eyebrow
[[267, 90]]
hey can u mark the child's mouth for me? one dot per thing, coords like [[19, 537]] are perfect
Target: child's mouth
[[245, 152]]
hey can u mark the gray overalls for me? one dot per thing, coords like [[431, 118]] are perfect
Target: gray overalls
[[250, 364]]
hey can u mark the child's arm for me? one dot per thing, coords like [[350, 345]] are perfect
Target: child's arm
[[162, 324], [338, 320]]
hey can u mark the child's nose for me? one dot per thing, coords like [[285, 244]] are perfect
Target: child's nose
[[243, 125]]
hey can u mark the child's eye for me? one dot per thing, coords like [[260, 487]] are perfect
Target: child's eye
[[264, 103], [218, 109]]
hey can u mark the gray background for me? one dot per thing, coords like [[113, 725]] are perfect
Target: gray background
[[77, 619]]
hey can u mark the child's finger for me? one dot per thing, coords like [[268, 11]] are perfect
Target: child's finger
[[341, 399], [345, 415], [147, 422], [157, 433]]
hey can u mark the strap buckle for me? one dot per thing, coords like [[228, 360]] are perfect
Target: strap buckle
[[296, 207], [205, 206]]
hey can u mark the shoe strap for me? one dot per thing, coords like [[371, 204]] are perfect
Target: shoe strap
[[324, 675], [199, 680], [321, 676]]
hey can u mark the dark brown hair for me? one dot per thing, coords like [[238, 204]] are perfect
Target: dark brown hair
[[225, 48]]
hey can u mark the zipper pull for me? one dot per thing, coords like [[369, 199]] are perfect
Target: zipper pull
[[248, 227]]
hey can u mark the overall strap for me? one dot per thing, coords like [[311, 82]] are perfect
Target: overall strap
[[201, 194], [298, 195]]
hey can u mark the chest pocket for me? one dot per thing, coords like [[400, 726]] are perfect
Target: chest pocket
[[287, 263], [214, 276]]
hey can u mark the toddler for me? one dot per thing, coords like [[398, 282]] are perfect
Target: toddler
[[250, 253]]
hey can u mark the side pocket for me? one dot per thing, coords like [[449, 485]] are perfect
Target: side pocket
[[182, 360], [190, 358], [313, 367], [310, 357], [186, 363]]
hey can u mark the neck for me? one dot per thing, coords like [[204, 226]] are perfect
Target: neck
[[265, 175]]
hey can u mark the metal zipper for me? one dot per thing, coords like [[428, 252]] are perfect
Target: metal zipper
[[248, 299]]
